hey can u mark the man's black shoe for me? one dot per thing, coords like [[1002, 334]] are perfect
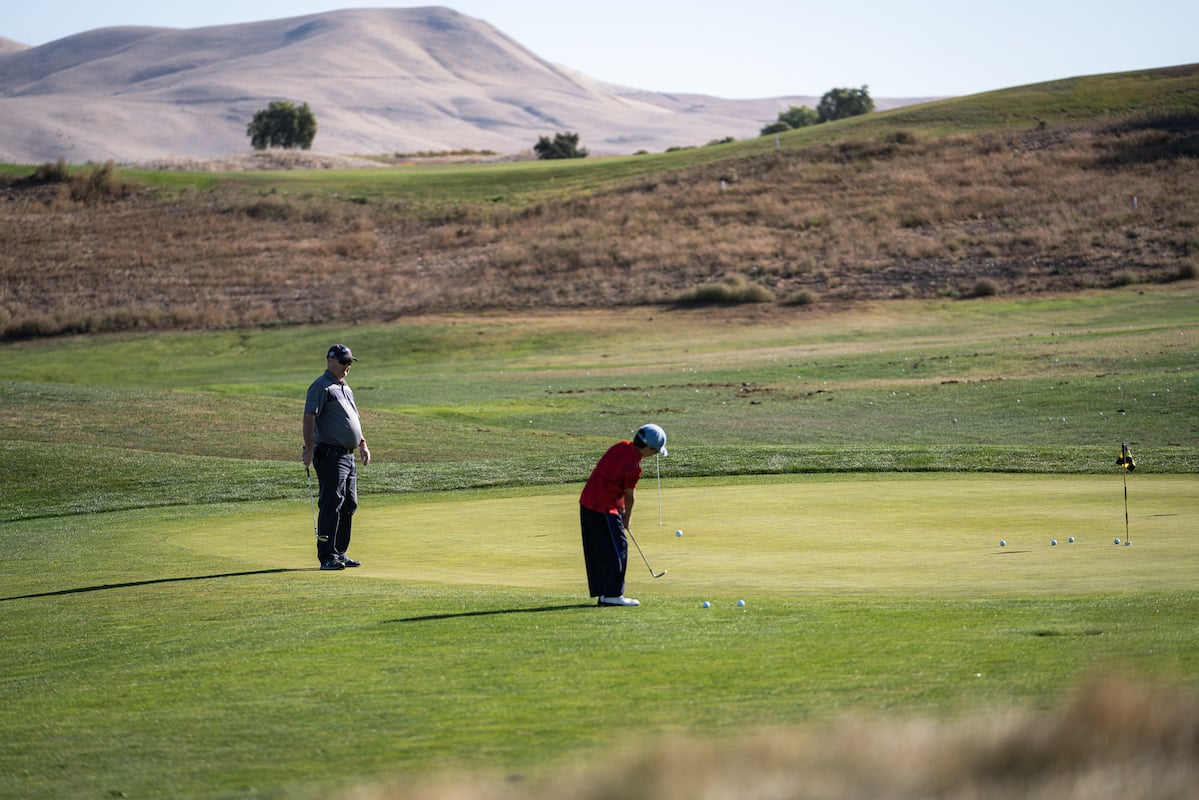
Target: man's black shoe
[[349, 562], [333, 563]]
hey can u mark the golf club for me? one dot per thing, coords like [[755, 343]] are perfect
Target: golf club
[[312, 500], [629, 533], [658, 469]]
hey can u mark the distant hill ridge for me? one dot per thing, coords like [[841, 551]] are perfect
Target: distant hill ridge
[[379, 81], [9, 46]]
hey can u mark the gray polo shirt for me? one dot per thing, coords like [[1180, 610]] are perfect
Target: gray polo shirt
[[337, 420]]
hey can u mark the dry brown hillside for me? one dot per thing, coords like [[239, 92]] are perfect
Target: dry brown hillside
[[1017, 213]]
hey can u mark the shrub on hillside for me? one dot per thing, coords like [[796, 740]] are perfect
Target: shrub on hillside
[[729, 290], [99, 183], [271, 209], [804, 297], [984, 287], [563, 145], [82, 185], [901, 137], [58, 172], [794, 117]]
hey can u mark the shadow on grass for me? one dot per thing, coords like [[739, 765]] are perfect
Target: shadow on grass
[[493, 612], [102, 587]]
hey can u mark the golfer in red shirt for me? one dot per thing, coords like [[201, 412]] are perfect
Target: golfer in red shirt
[[604, 511]]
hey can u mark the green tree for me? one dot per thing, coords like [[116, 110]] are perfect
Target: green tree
[[563, 145], [282, 124], [842, 103], [793, 117], [799, 116]]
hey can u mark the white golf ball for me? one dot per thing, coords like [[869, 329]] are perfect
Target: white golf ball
[[678, 533], [1003, 543], [740, 603], [1071, 539], [1053, 542], [1117, 541], [707, 604]]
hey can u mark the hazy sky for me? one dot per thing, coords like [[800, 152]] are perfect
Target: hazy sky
[[749, 48]]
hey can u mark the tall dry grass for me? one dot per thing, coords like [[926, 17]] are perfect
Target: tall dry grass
[[1117, 740], [905, 216]]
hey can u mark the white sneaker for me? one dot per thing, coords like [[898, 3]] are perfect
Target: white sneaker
[[618, 601]]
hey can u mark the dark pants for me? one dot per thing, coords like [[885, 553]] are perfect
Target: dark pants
[[338, 500], [605, 552]]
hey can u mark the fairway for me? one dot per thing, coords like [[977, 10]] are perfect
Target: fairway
[[849, 476]]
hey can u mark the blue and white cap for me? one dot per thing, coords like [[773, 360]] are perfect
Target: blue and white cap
[[341, 353], [653, 436]]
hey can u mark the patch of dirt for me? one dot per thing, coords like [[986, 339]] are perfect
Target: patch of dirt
[[276, 159], [261, 160]]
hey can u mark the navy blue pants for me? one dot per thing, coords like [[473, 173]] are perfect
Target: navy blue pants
[[337, 501], [605, 552]]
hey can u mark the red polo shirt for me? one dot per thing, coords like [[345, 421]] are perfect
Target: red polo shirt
[[617, 471]]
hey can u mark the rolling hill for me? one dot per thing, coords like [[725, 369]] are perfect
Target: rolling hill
[[379, 81], [9, 46], [1068, 185]]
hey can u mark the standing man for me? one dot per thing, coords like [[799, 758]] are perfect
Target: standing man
[[605, 508], [332, 431]]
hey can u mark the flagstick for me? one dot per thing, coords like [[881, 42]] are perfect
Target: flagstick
[[1126, 505], [1126, 463]]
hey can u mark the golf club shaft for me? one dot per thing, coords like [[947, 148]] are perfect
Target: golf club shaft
[[629, 533], [312, 500], [658, 469]]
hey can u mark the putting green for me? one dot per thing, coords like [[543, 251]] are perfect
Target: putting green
[[925, 535]]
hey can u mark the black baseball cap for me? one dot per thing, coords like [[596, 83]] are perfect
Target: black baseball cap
[[340, 352]]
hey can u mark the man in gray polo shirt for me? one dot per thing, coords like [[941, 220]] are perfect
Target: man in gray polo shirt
[[332, 431]]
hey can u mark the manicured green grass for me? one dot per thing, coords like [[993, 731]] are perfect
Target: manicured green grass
[[459, 402], [166, 633], [197, 653]]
